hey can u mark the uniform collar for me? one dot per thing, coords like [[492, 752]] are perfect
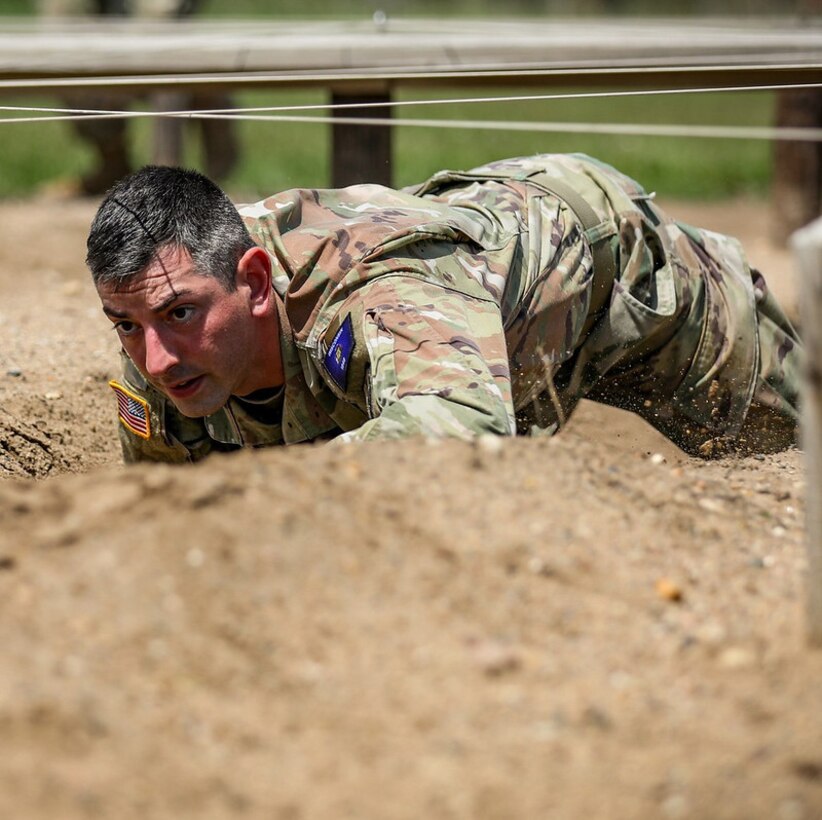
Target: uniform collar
[[303, 418]]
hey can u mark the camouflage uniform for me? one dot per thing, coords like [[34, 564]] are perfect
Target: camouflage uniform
[[491, 301]]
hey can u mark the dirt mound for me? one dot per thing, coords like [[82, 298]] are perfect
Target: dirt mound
[[27, 452], [590, 625], [511, 629]]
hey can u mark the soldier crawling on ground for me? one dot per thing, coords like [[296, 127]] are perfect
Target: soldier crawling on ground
[[487, 301]]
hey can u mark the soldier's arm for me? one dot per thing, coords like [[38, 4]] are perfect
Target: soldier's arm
[[437, 363], [150, 428]]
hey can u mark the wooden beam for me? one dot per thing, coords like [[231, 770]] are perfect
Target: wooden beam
[[807, 245], [650, 77], [612, 52]]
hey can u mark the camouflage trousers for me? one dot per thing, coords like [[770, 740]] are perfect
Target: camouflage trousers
[[688, 335], [772, 416]]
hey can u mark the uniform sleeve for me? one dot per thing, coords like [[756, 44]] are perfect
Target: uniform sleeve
[[150, 428], [438, 364]]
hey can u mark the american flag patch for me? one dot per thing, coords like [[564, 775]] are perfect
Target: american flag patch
[[133, 411]]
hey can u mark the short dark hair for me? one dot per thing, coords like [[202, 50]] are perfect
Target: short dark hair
[[161, 206]]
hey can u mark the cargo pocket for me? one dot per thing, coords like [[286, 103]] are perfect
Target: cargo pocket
[[382, 387], [718, 386]]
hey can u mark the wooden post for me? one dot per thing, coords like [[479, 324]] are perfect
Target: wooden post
[[796, 190], [168, 131], [797, 166], [361, 153], [807, 245]]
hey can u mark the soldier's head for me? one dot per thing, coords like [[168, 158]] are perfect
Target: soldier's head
[[159, 207], [186, 288]]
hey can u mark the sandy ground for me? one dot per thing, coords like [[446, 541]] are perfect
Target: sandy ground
[[589, 626]]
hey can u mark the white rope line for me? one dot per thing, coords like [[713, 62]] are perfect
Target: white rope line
[[445, 73], [90, 113], [627, 129], [634, 129]]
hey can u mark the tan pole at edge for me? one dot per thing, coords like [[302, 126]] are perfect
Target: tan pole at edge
[[807, 247]]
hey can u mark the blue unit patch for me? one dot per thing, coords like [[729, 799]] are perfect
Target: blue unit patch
[[339, 353]]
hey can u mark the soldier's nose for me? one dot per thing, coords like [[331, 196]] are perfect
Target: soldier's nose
[[160, 357]]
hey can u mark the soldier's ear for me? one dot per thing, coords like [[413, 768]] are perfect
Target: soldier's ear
[[254, 273]]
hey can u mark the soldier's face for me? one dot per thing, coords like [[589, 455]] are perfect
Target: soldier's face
[[185, 332]]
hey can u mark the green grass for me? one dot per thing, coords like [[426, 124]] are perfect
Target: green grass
[[283, 155], [280, 155], [688, 167], [34, 154]]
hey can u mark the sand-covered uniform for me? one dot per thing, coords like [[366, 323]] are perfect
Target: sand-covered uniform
[[491, 301]]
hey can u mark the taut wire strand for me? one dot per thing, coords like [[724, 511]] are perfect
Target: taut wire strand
[[633, 129], [627, 129], [237, 113]]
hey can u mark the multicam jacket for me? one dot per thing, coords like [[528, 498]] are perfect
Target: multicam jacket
[[486, 301]]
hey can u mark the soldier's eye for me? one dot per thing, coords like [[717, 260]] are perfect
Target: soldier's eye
[[125, 328], [182, 313]]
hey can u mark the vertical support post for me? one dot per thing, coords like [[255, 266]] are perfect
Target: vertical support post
[[168, 131], [361, 153], [807, 245], [796, 190]]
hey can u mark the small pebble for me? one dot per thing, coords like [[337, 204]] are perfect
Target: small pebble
[[597, 718], [778, 532], [195, 558], [737, 657], [158, 479], [490, 444], [538, 566], [675, 807], [711, 505], [712, 633], [353, 470], [53, 395], [657, 459], [496, 659], [14, 371], [669, 590]]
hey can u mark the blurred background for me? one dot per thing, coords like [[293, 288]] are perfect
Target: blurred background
[[273, 156]]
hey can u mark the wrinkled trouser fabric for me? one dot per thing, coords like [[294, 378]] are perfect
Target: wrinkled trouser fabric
[[691, 338]]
